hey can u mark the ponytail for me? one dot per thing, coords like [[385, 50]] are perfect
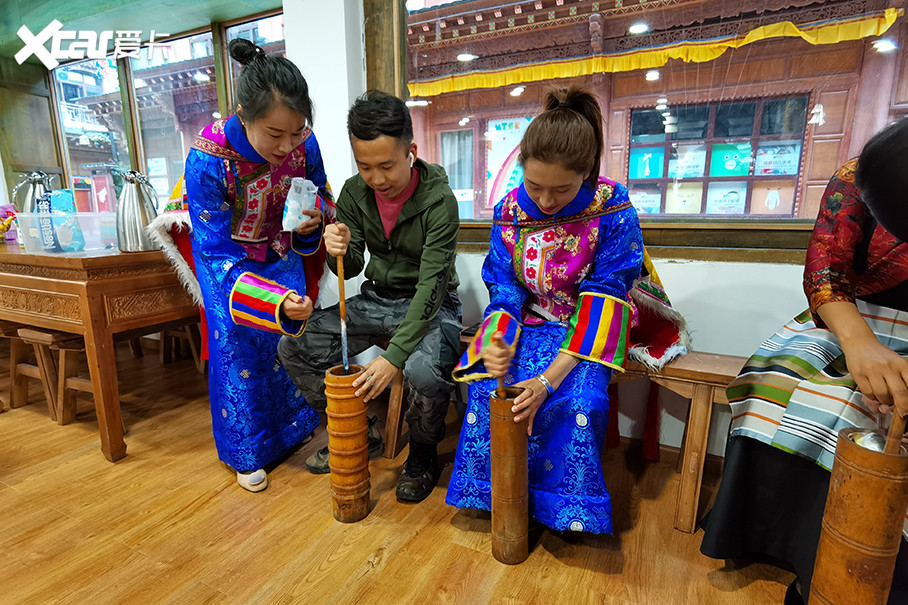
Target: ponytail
[[567, 132]]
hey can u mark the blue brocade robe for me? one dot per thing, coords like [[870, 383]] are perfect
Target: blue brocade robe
[[258, 414]]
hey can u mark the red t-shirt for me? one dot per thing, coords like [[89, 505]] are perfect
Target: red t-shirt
[[389, 208]]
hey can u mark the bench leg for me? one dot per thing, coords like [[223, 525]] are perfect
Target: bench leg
[[66, 398], [47, 365], [18, 383], [392, 421], [701, 408]]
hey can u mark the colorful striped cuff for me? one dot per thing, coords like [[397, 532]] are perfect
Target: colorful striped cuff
[[256, 302], [498, 321], [599, 330]]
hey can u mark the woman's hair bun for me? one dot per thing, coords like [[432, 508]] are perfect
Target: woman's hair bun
[[244, 51]]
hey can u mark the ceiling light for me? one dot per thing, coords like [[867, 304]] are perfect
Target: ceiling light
[[884, 45], [638, 28], [466, 57], [518, 91], [652, 75], [662, 100], [417, 103], [661, 107], [200, 77]]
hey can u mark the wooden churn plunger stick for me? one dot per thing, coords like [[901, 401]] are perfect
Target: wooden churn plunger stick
[[510, 476], [863, 520], [343, 313]]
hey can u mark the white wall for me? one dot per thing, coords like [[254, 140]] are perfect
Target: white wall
[[730, 308], [325, 40]]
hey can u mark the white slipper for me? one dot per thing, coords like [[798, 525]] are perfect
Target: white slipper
[[253, 481]]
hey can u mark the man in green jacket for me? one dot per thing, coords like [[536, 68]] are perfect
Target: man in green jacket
[[402, 210]]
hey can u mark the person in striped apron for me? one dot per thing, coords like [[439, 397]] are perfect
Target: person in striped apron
[[841, 363]]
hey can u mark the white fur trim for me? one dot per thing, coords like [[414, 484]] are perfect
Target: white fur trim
[[159, 232]]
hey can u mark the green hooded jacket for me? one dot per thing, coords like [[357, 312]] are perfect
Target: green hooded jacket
[[418, 260]]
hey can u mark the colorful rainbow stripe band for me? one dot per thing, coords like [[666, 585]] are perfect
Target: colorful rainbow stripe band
[[498, 321], [256, 302], [599, 330]]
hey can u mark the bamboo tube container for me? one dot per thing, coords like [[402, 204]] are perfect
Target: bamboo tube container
[[862, 524], [348, 445], [510, 480]]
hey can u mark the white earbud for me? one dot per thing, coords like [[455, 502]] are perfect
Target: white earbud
[[412, 159]]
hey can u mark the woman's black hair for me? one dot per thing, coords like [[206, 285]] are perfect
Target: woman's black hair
[[267, 80], [377, 113], [882, 177], [568, 132]]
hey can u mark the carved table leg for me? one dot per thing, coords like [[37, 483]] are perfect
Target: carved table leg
[[102, 365]]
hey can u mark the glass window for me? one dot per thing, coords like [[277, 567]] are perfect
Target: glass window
[[686, 161], [692, 122], [457, 159], [647, 126], [94, 131], [735, 119], [502, 139], [646, 198], [725, 169], [726, 197], [784, 116], [177, 97], [267, 33], [684, 198]]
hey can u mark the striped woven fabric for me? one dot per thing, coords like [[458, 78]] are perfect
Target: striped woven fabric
[[498, 321], [795, 392], [598, 330], [256, 302]]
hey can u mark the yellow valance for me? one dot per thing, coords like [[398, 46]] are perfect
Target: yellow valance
[[697, 51]]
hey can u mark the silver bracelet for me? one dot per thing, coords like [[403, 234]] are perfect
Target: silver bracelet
[[545, 382]]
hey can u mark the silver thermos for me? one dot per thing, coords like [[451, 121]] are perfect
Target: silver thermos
[[34, 185], [135, 211]]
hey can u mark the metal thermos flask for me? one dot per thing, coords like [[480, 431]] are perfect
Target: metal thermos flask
[[135, 211], [34, 185]]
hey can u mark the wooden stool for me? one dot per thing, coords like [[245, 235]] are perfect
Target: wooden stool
[[68, 383], [394, 418], [46, 371], [395, 399], [17, 396]]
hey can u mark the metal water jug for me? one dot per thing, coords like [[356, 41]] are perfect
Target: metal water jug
[[33, 185], [135, 211]]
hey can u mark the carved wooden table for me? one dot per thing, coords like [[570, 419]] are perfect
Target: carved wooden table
[[97, 295]]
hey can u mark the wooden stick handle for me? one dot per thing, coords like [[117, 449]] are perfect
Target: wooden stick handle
[[340, 288], [501, 391], [896, 431]]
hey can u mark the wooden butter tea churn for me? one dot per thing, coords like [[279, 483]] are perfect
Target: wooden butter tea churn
[[348, 445], [863, 519], [510, 479]]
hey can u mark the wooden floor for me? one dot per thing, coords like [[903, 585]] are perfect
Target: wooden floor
[[169, 524]]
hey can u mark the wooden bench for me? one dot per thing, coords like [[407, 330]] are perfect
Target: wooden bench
[[701, 378]]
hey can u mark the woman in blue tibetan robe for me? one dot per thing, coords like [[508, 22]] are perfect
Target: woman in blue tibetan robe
[[252, 275], [565, 250]]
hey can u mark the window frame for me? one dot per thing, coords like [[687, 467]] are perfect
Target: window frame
[[709, 141]]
